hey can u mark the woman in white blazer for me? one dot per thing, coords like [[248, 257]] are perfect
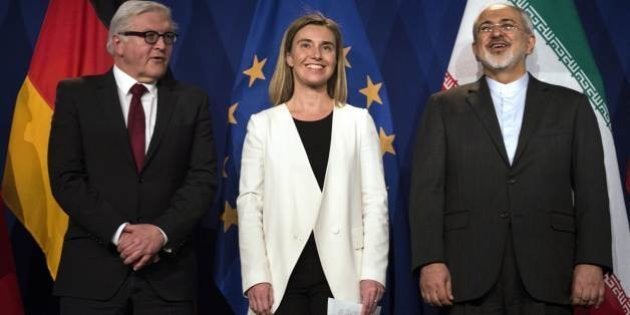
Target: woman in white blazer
[[312, 207]]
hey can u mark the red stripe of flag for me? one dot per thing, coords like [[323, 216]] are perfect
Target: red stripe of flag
[[68, 46], [10, 301], [615, 300]]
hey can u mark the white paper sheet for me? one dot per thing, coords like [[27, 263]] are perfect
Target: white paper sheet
[[340, 307]]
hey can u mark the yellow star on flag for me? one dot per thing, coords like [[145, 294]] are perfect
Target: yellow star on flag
[[256, 71], [231, 110], [387, 142], [229, 216], [346, 50], [225, 160], [371, 92]]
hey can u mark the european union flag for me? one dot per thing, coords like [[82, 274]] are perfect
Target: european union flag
[[249, 95]]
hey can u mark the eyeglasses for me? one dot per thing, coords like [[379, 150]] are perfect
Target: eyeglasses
[[152, 37], [503, 27]]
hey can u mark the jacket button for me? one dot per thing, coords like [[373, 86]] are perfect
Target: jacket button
[[511, 181], [504, 215]]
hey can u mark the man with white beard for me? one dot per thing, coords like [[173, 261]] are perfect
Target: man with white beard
[[509, 207]]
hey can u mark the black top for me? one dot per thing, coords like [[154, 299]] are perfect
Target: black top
[[315, 136]]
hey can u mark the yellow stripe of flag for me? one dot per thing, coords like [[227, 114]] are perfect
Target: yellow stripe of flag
[[26, 167]]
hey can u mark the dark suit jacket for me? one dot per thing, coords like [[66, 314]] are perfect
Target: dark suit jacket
[[94, 180], [465, 194]]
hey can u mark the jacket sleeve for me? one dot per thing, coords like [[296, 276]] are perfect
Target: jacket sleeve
[[374, 202], [69, 181], [195, 196], [254, 259], [593, 234], [427, 191]]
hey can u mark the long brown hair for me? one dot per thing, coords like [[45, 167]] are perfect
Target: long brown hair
[[281, 85]]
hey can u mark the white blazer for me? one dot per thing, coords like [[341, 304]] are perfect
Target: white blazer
[[280, 203]]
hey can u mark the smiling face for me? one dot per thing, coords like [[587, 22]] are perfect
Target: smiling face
[[313, 56], [502, 41], [144, 62]]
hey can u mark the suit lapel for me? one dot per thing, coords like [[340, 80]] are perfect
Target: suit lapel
[[480, 101], [294, 141], [336, 143], [534, 108], [296, 157], [107, 98], [166, 102]]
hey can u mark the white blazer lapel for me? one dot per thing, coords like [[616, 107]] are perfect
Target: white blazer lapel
[[299, 156], [336, 146]]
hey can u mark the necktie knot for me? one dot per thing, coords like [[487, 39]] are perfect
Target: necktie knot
[[138, 90]]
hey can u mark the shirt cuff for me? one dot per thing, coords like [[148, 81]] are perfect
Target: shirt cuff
[[119, 231], [164, 235]]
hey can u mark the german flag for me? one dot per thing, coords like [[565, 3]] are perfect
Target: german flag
[[71, 43]]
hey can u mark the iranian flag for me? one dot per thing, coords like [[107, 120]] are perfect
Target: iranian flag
[[562, 57]]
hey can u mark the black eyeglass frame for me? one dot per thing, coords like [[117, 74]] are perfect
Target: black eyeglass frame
[[168, 37]]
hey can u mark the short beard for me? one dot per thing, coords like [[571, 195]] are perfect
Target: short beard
[[502, 62]]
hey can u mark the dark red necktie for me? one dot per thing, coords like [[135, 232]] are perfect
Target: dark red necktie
[[136, 125]]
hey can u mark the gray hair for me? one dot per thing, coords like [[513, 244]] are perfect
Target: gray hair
[[527, 21], [130, 9]]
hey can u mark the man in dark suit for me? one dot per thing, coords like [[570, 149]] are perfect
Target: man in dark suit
[[132, 164], [509, 206]]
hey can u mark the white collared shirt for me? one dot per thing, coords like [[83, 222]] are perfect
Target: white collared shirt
[[509, 104], [124, 82]]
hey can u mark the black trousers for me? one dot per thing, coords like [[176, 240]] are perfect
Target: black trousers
[[508, 296], [136, 296], [307, 291]]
